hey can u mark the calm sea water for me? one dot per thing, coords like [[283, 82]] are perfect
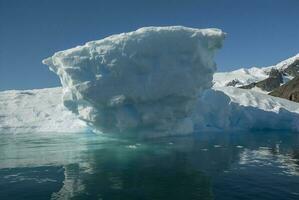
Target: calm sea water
[[256, 165]]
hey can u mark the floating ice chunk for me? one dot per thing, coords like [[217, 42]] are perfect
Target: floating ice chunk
[[217, 146]]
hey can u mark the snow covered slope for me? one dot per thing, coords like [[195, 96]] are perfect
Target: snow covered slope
[[241, 76], [36, 111], [244, 76]]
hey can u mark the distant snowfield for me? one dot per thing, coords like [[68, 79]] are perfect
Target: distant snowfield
[[244, 76], [250, 75]]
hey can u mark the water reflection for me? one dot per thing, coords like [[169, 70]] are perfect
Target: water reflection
[[150, 177], [204, 166]]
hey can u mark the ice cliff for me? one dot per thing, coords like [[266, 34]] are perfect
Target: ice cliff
[[145, 81], [218, 109], [234, 109], [35, 111]]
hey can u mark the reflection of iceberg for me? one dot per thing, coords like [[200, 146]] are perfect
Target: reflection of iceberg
[[35, 149], [90, 166], [139, 173], [72, 184], [270, 156], [125, 172]]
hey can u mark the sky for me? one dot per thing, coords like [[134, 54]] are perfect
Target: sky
[[259, 32]]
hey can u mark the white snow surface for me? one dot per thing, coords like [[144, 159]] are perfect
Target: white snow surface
[[243, 76], [218, 109], [246, 76], [23, 111], [285, 63], [146, 80], [230, 108]]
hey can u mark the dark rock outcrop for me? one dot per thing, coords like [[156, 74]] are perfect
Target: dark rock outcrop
[[288, 91], [293, 69], [268, 84], [233, 83]]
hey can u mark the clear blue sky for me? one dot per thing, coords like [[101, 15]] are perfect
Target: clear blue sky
[[260, 32]]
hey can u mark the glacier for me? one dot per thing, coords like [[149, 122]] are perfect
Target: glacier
[[155, 81], [37, 111]]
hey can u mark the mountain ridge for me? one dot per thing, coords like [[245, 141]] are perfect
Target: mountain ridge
[[264, 79]]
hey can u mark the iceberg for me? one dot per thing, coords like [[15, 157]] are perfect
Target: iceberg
[[156, 81], [145, 81]]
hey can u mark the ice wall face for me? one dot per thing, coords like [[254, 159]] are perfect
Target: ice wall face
[[36, 111], [235, 109], [146, 81]]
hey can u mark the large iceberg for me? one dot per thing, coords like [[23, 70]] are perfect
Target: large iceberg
[[155, 81], [145, 81]]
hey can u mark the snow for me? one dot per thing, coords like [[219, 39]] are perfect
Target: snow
[[257, 89], [250, 75], [229, 108], [285, 63], [146, 80], [36, 111], [218, 109], [244, 76]]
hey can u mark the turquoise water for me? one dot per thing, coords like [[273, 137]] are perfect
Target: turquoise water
[[256, 165]]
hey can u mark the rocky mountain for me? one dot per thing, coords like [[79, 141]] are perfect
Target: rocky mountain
[[275, 79], [288, 91], [280, 80], [292, 69], [272, 82], [264, 79]]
